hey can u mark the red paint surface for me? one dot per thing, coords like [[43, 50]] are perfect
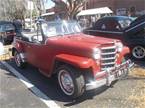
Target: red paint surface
[[76, 50]]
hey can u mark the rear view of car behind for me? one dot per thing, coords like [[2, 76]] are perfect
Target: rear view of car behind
[[7, 32]]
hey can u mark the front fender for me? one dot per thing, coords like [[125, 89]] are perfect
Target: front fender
[[125, 51], [77, 61]]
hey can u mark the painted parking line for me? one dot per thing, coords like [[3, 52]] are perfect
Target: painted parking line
[[45, 99]]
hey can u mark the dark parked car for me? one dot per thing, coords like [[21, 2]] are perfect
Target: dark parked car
[[7, 32], [129, 30]]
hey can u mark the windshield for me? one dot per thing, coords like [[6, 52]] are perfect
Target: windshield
[[51, 29], [125, 22]]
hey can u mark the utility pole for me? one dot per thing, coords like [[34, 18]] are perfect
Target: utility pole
[[31, 15], [30, 7]]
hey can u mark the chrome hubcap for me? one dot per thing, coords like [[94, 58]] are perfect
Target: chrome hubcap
[[138, 52], [66, 82], [17, 59]]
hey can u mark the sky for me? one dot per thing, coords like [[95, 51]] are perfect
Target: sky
[[49, 4]]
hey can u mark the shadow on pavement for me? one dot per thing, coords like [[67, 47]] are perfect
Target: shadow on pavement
[[87, 96], [140, 64]]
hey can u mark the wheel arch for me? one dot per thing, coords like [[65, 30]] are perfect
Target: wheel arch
[[86, 72], [73, 61]]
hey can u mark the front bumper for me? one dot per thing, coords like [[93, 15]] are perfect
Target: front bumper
[[110, 75]]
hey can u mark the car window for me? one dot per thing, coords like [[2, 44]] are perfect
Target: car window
[[34, 35], [7, 27], [103, 27], [98, 25], [125, 23], [0, 28], [37, 36], [107, 25], [112, 25]]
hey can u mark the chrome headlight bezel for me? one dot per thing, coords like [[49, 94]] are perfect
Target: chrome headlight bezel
[[96, 53], [119, 46]]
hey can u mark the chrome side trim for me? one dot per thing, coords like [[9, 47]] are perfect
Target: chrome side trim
[[111, 58], [109, 53], [112, 47], [108, 63]]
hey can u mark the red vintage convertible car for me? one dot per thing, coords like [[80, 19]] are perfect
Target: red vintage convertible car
[[81, 62]]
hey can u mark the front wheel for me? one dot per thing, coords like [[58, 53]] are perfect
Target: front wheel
[[138, 52], [71, 81], [18, 60]]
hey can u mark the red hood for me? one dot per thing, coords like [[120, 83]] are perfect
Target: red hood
[[88, 39], [78, 44], [80, 40]]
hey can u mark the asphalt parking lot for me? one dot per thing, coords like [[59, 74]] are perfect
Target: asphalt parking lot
[[15, 94]]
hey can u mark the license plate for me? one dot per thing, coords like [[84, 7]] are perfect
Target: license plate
[[119, 73]]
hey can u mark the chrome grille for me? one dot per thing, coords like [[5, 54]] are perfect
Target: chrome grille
[[108, 57]]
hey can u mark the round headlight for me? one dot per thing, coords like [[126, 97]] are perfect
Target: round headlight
[[97, 53], [119, 46]]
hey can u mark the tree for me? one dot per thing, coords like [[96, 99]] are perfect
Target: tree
[[13, 9], [40, 6], [70, 7]]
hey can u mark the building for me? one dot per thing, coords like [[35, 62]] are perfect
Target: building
[[120, 7]]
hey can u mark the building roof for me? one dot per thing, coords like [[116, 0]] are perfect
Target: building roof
[[103, 10]]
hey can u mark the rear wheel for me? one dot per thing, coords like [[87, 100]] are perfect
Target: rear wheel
[[71, 81], [18, 60], [138, 52]]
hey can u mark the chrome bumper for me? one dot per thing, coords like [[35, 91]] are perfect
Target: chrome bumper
[[110, 75]]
